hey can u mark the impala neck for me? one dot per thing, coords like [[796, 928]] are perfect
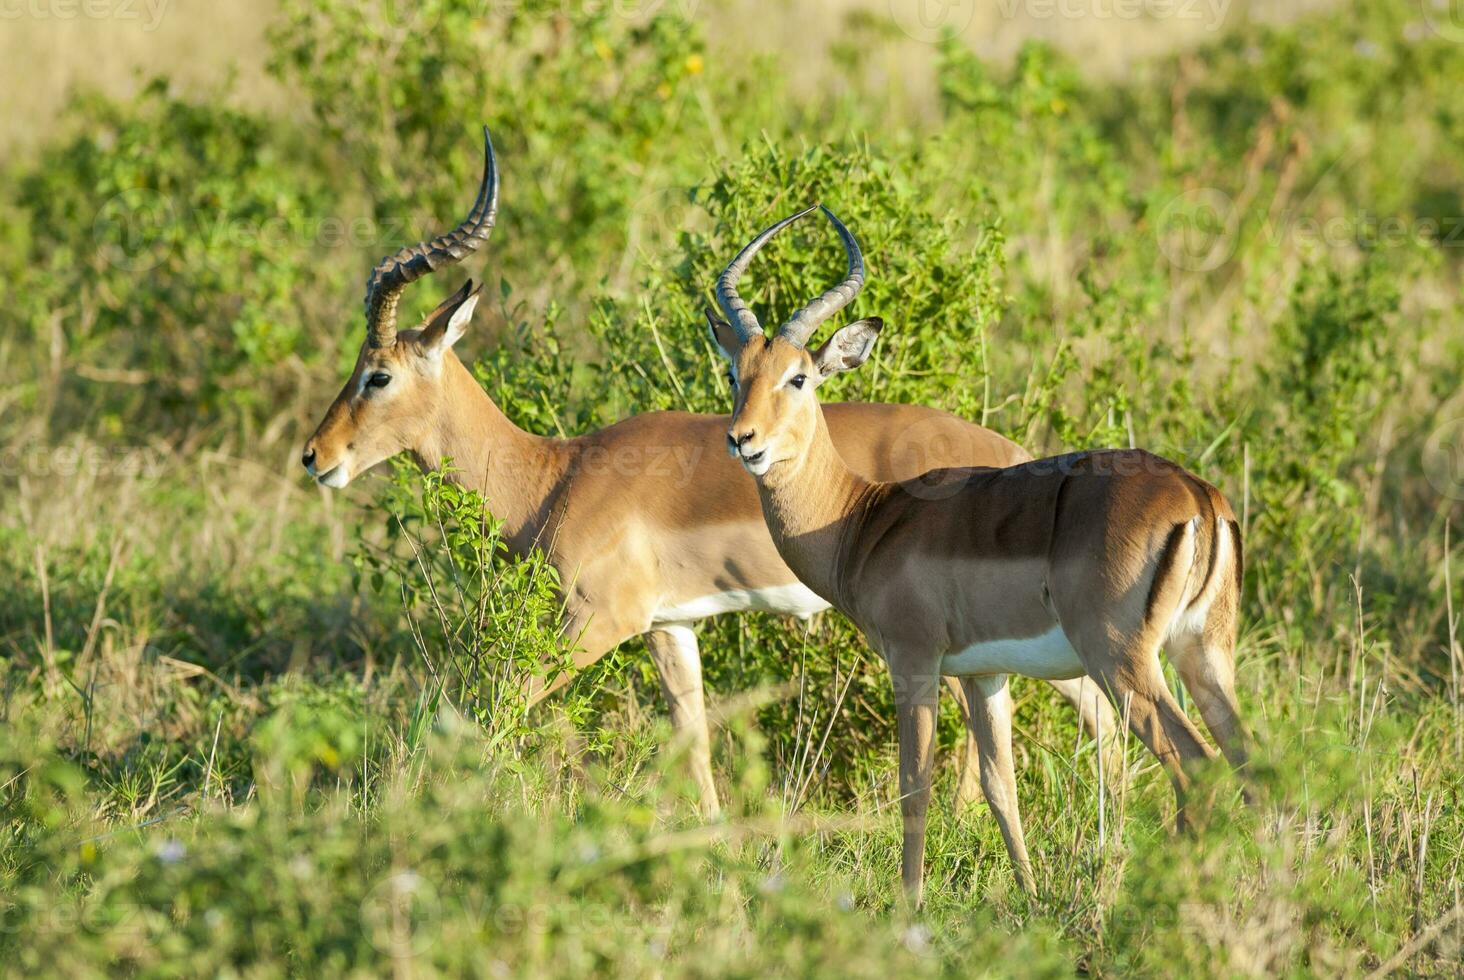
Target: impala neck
[[515, 471], [807, 504]]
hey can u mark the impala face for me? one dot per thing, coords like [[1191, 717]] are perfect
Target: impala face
[[774, 414], [392, 399], [395, 392], [773, 383]]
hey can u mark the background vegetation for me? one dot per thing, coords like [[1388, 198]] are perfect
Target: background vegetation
[[241, 737]]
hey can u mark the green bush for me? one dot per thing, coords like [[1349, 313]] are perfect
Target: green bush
[[484, 623], [175, 246], [592, 112], [250, 729]]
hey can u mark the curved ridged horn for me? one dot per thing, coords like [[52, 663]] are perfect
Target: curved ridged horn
[[801, 325], [742, 319], [393, 273]]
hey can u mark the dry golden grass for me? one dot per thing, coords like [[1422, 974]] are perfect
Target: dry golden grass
[[46, 52]]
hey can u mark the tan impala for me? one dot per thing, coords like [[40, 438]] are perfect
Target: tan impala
[[648, 522], [1078, 565]]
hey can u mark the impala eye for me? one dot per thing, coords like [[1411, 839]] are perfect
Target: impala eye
[[798, 380], [378, 380], [731, 381]]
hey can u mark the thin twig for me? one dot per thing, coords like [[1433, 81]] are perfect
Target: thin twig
[[1102, 788], [100, 609], [1419, 942], [208, 770], [48, 648], [833, 717]]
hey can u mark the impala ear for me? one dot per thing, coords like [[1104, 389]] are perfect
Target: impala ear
[[446, 324], [848, 348], [723, 335]]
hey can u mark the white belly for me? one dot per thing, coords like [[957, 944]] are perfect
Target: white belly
[[1049, 656], [793, 599]]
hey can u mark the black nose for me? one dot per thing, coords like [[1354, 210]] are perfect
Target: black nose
[[742, 440], [308, 459]]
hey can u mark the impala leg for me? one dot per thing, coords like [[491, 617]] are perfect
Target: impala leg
[[968, 785], [1206, 664], [991, 723], [594, 635], [1155, 717], [1097, 716], [915, 715], [538, 690], [674, 651]]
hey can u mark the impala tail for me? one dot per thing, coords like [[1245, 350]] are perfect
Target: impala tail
[[1200, 573], [1200, 565]]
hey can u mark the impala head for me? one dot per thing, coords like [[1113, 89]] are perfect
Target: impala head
[[395, 392], [774, 412]]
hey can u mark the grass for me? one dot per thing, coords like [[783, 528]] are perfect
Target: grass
[[48, 55], [236, 739], [272, 807]]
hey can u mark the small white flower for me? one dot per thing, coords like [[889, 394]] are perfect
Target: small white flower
[[405, 882], [916, 938], [171, 851]]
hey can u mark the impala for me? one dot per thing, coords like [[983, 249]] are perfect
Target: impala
[[1079, 565], [648, 523]]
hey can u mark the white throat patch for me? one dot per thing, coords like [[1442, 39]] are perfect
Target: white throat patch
[[336, 478]]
